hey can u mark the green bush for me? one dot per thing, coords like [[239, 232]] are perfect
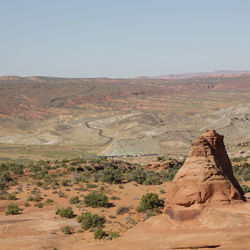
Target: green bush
[[26, 204], [66, 182], [162, 191], [138, 175], [90, 185], [35, 198], [66, 230], [161, 158], [84, 177], [11, 197], [149, 201], [170, 173], [113, 234], [74, 200], [49, 201], [51, 180], [122, 210], [5, 178], [38, 172], [62, 194], [39, 183], [39, 205], [95, 199], [16, 168], [12, 209], [153, 179], [245, 188], [111, 176], [65, 212], [100, 234], [89, 220]]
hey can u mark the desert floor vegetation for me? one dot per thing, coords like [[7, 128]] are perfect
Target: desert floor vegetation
[[98, 198]]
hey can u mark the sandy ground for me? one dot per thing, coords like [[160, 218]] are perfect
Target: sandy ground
[[225, 227], [40, 228]]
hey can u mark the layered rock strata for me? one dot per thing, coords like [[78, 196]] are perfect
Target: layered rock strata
[[206, 176]]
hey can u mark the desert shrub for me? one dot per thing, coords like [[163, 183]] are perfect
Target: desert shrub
[[89, 220], [113, 235], [137, 175], [3, 167], [35, 191], [238, 159], [5, 178], [90, 185], [162, 191], [160, 158], [149, 201], [75, 178], [84, 177], [50, 180], [16, 168], [39, 205], [12, 209], [130, 220], [38, 172], [65, 212], [153, 178], [245, 188], [72, 169], [144, 177], [66, 230], [26, 204], [242, 172], [65, 161], [35, 168], [35, 198], [100, 234], [170, 173], [95, 199], [11, 196], [49, 201], [122, 210], [39, 183], [62, 194], [150, 213], [111, 175], [3, 194], [74, 200], [114, 198], [65, 182]]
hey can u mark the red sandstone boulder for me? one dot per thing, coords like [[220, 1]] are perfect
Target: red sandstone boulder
[[206, 176], [162, 165]]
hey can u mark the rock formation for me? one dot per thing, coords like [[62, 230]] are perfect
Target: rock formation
[[206, 176], [162, 165]]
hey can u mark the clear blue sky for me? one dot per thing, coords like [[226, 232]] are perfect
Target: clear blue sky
[[123, 38]]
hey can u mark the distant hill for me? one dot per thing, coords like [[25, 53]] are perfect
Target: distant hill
[[122, 116], [216, 73]]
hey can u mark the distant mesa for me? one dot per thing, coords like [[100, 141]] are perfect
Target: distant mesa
[[206, 176]]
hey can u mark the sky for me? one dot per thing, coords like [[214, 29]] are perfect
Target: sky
[[123, 38]]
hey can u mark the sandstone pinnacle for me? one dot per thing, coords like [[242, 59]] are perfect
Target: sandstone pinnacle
[[206, 176]]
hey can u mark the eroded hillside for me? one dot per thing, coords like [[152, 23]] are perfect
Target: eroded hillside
[[120, 116]]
